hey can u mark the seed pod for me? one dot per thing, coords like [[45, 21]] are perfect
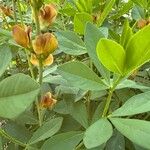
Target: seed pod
[[21, 35], [45, 43]]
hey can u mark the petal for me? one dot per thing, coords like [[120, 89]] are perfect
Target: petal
[[20, 36], [34, 60], [49, 60]]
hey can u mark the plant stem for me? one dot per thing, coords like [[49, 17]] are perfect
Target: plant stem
[[79, 146], [108, 100], [4, 134], [30, 65], [20, 13], [88, 102], [40, 71], [38, 31], [39, 113], [36, 18], [40, 82], [14, 10]]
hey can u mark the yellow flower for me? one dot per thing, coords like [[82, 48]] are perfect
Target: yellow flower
[[47, 101], [47, 15], [46, 62], [21, 35], [45, 43]]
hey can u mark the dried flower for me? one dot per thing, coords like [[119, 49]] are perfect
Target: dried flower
[[47, 15], [45, 43], [6, 11], [47, 101], [141, 23], [21, 35], [46, 62]]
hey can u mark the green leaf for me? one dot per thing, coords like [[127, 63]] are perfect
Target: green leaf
[[116, 142], [135, 105], [123, 10], [80, 76], [5, 58], [98, 111], [16, 131], [47, 130], [16, 95], [98, 133], [137, 131], [71, 43], [79, 113], [138, 13], [131, 84], [142, 3], [1, 143], [84, 5], [6, 33], [138, 49], [80, 21], [65, 141], [111, 55], [92, 36], [126, 34], [105, 12]]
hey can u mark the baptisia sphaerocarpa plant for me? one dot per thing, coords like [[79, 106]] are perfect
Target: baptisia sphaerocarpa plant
[[75, 75]]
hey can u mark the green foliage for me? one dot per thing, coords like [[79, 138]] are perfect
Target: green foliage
[[112, 51], [16, 95], [105, 12], [135, 105], [66, 141], [98, 133], [5, 58], [79, 75], [70, 43], [80, 21], [125, 61], [92, 36], [47, 130], [92, 92], [135, 130]]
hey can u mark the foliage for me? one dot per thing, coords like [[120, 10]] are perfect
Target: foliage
[[75, 74]]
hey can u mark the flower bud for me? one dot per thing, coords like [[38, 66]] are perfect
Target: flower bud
[[47, 15], [21, 35], [141, 23], [46, 62], [47, 101], [6, 11], [45, 43]]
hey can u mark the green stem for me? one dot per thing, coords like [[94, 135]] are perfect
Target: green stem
[[79, 146], [4, 134], [40, 82], [89, 106], [40, 71], [30, 65], [108, 100], [14, 10], [39, 113], [20, 13], [38, 31], [36, 18]]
